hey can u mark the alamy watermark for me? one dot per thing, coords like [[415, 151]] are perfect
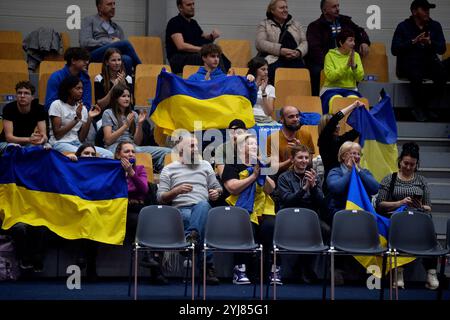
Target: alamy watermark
[[73, 21], [74, 278]]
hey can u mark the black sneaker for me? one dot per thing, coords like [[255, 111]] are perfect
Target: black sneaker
[[211, 277]]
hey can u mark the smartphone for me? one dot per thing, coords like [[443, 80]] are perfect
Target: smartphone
[[308, 167]]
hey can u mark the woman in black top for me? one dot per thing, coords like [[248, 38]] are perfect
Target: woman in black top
[[329, 139], [113, 73]]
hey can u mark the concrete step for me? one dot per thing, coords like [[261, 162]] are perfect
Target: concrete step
[[440, 205], [439, 190], [435, 159], [440, 223], [423, 130], [438, 173]]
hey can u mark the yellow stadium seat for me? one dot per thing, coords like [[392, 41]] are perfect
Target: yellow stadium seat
[[46, 68], [146, 77], [376, 64], [322, 78], [145, 159], [189, 70], [1, 125], [168, 159], [11, 72], [238, 71], [291, 81], [149, 49], [340, 103], [94, 69], [308, 104], [447, 52], [378, 48], [239, 52], [11, 45]]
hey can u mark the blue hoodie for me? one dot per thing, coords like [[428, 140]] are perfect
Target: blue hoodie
[[201, 73]]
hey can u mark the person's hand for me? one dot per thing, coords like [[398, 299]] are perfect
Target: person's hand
[[183, 188], [426, 39], [142, 116], [294, 143], [120, 78], [127, 166], [351, 60], [310, 176], [406, 201], [263, 85], [416, 203], [36, 138], [250, 78], [285, 52], [94, 111], [231, 72], [364, 49], [214, 34], [419, 38], [79, 109], [130, 119], [115, 39], [72, 157], [348, 161], [213, 194], [256, 171]]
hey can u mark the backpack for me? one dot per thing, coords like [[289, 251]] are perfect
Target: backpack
[[9, 267]]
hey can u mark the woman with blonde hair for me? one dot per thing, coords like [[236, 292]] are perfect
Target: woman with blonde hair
[[338, 180]]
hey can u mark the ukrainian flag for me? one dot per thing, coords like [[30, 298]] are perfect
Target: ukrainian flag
[[179, 102], [358, 199], [85, 199], [377, 136]]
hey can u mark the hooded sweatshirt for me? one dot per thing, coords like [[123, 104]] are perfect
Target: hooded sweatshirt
[[338, 74]]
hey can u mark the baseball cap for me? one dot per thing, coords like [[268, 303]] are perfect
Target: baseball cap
[[422, 4], [237, 124]]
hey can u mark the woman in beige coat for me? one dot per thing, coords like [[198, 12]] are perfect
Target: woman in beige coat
[[281, 39]]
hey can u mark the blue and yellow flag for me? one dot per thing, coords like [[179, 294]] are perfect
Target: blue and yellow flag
[[85, 199], [179, 102], [377, 136], [358, 199]]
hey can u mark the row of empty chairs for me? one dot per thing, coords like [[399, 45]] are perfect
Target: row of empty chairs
[[297, 231]]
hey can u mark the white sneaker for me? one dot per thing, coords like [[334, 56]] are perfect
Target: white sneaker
[[432, 280], [400, 281]]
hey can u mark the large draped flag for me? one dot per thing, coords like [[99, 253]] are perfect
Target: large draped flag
[[377, 136], [179, 103], [84, 199], [358, 199]]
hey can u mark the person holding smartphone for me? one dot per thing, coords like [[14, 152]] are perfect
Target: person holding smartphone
[[409, 190]]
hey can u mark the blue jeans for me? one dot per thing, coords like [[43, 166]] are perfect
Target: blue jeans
[[129, 55], [194, 218], [73, 147], [157, 153]]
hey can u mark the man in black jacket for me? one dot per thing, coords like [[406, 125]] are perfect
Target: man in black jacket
[[321, 35], [417, 42]]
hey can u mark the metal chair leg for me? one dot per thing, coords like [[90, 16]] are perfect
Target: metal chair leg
[[383, 278], [261, 284], [332, 276], [396, 275], [130, 272], [325, 276], [135, 272], [274, 283], [193, 275], [204, 274], [441, 278]]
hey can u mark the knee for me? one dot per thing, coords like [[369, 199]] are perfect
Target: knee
[[204, 206]]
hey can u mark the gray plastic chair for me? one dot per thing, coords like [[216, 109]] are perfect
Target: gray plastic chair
[[412, 234], [355, 232], [297, 231], [228, 229], [160, 228]]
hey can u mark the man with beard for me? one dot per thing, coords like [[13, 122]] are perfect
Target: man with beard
[[187, 184], [291, 134], [185, 37]]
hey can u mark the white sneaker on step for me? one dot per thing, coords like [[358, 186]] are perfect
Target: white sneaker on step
[[432, 280]]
